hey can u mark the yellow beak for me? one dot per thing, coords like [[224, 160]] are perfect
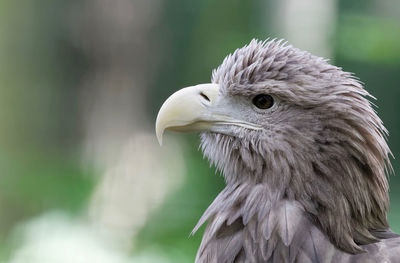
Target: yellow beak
[[196, 108]]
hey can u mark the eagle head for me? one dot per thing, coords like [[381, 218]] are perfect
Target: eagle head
[[277, 116]]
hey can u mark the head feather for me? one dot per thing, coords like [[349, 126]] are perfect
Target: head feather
[[324, 147]]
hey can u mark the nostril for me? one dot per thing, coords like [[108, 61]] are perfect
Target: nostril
[[205, 96]]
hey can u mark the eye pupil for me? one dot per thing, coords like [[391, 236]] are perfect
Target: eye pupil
[[263, 101]]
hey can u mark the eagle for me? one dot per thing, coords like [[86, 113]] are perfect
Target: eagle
[[303, 154]]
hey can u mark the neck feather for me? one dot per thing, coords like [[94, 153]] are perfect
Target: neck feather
[[339, 194]]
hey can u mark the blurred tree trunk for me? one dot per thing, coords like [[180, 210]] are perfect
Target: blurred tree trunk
[[115, 36]]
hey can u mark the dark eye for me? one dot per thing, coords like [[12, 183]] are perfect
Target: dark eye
[[263, 101]]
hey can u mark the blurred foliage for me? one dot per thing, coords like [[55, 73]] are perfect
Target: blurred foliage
[[32, 183], [369, 39], [40, 167]]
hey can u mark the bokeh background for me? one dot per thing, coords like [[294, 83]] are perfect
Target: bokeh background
[[82, 178]]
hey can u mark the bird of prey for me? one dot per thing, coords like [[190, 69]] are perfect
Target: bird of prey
[[303, 154]]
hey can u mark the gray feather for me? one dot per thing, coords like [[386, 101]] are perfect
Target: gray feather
[[311, 186]]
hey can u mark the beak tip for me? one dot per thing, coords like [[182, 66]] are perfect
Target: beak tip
[[159, 134], [159, 139]]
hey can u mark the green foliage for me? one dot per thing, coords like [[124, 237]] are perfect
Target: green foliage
[[39, 118], [369, 39]]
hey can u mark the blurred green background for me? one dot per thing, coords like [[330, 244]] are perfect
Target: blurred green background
[[81, 175]]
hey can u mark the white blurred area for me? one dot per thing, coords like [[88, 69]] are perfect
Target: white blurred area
[[136, 186], [57, 238]]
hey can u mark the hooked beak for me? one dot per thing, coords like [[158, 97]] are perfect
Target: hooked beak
[[196, 108]]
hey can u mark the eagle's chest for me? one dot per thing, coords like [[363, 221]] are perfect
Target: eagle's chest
[[246, 226]]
